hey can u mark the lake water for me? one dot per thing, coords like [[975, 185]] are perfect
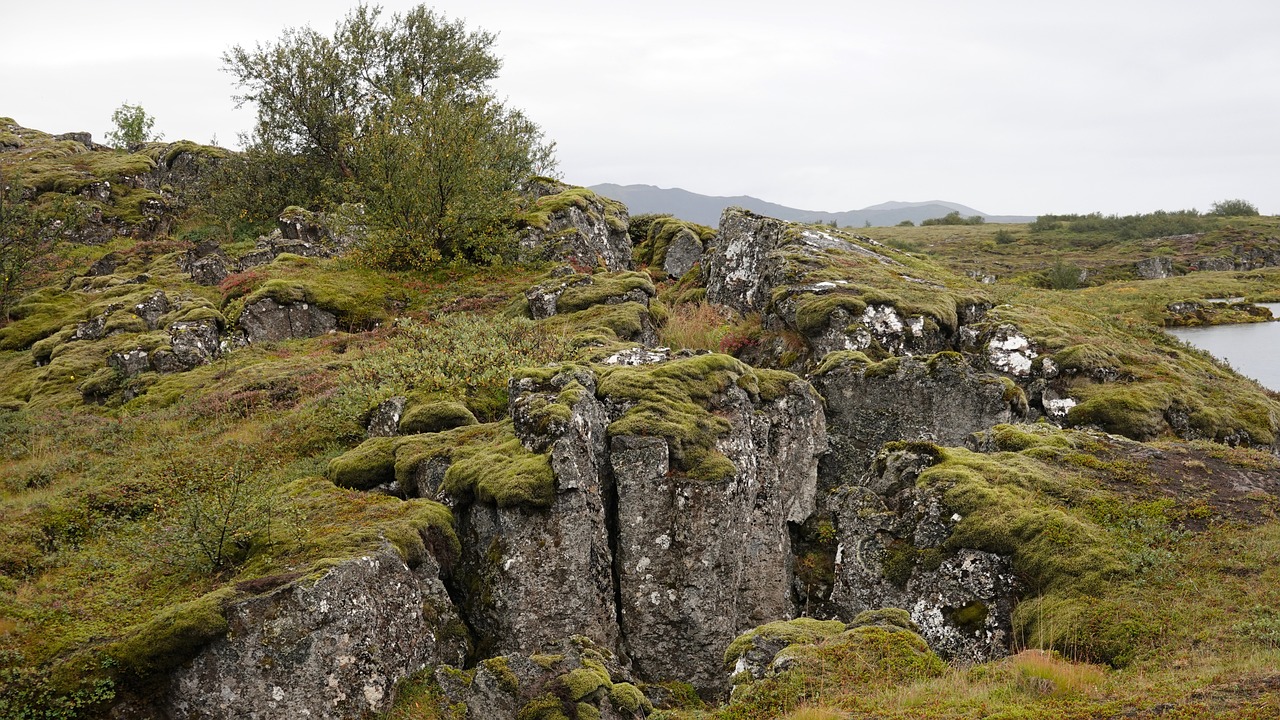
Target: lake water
[[1253, 349]]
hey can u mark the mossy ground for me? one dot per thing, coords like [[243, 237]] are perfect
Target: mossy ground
[[1154, 561]]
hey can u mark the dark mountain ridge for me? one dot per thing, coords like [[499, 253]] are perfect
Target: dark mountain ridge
[[706, 209]]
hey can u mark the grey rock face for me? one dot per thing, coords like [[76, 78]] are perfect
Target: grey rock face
[[384, 421], [329, 649], [745, 264], [106, 265], [92, 329], [893, 554], [301, 225], [698, 562], [537, 575], [208, 270], [683, 253], [1155, 268], [543, 298], [151, 309], [583, 236], [269, 321], [939, 399], [693, 562], [191, 344], [130, 363]]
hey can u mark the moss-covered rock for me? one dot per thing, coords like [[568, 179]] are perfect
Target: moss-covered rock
[[428, 417]]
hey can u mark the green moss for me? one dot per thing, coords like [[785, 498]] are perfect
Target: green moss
[[1086, 358], [868, 656], [1135, 411], [602, 288], [547, 662], [504, 475], [584, 681], [369, 465], [608, 323], [970, 618], [582, 198], [544, 707], [840, 359], [670, 401], [788, 632], [507, 680], [812, 310], [173, 636], [629, 698], [659, 231], [359, 297], [1003, 508], [895, 617], [435, 416]]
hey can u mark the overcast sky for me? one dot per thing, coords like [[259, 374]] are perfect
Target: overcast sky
[[1012, 107]]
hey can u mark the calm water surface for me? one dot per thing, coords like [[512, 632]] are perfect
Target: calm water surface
[[1253, 349]]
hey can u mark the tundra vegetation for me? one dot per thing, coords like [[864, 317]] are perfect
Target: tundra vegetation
[[139, 501]]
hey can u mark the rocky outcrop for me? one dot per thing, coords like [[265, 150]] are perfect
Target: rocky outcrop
[[698, 562], [1154, 268], [130, 362], [660, 546], [817, 282], [939, 399], [683, 252], [894, 553], [576, 226], [192, 343], [746, 262], [207, 265], [266, 320], [571, 678], [535, 575], [152, 309], [328, 648]]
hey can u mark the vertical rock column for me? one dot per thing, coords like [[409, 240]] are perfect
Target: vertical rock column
[[699, 562], [536, 575]]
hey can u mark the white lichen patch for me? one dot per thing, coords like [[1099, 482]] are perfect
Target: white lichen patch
[[639, 356], [882, 320], [1059, 408], [1012, 352]]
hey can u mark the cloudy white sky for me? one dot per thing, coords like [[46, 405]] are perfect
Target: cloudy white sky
[[1010, 107]]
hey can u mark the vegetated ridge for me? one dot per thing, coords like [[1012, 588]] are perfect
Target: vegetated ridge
[[604, 465]]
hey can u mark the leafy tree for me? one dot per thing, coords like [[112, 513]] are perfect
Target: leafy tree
[[133, 126], [1234, 208], [398, 115], [438, 179]]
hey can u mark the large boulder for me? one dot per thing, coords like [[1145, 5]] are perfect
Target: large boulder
[[676, 483], [939, 398], [574, 225], [266, 320], [700, 561], [191, 343], [894, 553], [535, 573], [328, 648]]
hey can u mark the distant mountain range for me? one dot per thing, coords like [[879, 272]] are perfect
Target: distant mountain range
[[706, 209]]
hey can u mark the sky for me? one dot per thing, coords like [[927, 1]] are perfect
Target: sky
[[1119, 106]]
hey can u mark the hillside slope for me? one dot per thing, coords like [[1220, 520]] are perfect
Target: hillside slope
[[647, 468]]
